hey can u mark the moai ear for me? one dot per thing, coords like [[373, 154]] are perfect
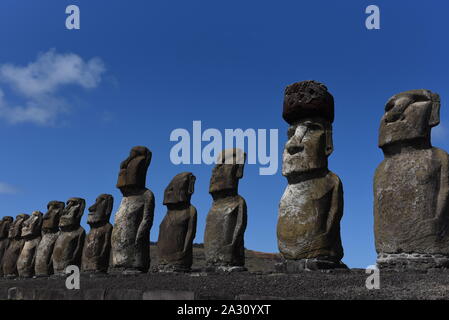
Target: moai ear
[[435, 113], [82, 207], [240, 164], [191, 188], [110, 202], [329, 140]]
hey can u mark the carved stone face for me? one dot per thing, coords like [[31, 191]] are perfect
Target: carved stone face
[[5, 224], [180, 189], [32, 226], [101, 210], [133, 170], [15, 231], [227, 171], [53, 214], [409, 116], [72, 213], [308, 146]]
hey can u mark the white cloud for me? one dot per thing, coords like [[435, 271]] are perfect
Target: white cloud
[[38, 84], [7, 189]]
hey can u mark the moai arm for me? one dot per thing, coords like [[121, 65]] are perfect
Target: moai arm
[[336, 209], [191, 232], [78, 253], [241, 222], [107, 243], [443, 195], [147, 219]]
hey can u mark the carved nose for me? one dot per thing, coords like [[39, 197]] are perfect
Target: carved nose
[[393, 116], [295, 149]]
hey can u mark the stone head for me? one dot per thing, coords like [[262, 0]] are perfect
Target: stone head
[[409, 117], [309, 110], [227, 171], [33, 225], [308, 146], [53, 214], [5, 224], [100, 211], [180, 189], [72, 213], [15, 231], [133, 170]]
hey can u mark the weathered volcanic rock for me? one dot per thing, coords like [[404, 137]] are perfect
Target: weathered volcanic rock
[[69, 245], [97, 247], [311, 207], [5, 224], [134, 218], [411, 186], [16, 243], [31, 233], [178, 228], [226, 220], [50, 232]]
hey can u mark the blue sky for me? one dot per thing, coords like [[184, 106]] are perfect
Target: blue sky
[[145, 68]]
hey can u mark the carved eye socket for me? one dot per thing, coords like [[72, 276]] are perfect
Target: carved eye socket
[[312, 127], [389, 106], [290, 132]]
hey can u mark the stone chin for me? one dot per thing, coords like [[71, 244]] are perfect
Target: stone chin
[[297, 165], [95, 219], [402, 131]]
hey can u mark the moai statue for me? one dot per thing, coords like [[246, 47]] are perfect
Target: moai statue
[[16, 243], [69, 245], [310, 210], [134, 218], [5, 224], [178, 228], [97, 247], [31, 233], [50, 233], [411, 186], [226, 221]]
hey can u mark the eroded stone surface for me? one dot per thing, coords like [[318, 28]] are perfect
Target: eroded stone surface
[[5, 224], [178, 228], [312, 205], [69, 244], [97, 247], [411, 185], [134, 218], [50, 233], [31, 233], [227, 218], [16, 243]]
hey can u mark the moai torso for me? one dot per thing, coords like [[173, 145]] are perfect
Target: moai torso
[[69, 245], [50, 233], [134, 218], [97, 246], [224, 236], [31, 232], [227, 218], [15, 246], [411, 186], [311, 207], [305, 220], [5, 224], [178, 228]]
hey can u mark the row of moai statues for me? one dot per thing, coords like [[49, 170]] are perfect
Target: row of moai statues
[[411, 207], [411, 185], [43, 245]]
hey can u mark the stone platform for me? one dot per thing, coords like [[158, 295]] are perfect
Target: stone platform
[[306, 285]]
